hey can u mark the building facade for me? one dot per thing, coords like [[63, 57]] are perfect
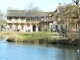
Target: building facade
[[20, 20], [66, 16]]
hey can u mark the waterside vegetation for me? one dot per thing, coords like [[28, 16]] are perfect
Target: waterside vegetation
[[42, 38]]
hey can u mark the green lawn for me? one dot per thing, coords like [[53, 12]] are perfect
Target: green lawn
[[31, 35]]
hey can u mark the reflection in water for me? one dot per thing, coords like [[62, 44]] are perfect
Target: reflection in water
[[26, 51], [2, 37]]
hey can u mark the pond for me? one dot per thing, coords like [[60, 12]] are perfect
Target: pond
[[26, 51]]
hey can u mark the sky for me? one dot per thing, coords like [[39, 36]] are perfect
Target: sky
[[44, 5]]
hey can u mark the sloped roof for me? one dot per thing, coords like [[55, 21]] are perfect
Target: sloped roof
[[16, 13], [36, 14], [23, 13], [60, 10], [70, 10]]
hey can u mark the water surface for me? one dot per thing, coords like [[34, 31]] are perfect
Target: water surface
[[20, 51]]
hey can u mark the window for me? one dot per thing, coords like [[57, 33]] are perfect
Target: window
[[10, 26], [33, 18], [56, 27], [9, 18], [22, 27], [16, 18], [28, 19], [22, 18]]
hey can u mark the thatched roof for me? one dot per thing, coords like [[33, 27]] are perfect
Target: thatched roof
[[23, 13], [16, 13], [68, 11]]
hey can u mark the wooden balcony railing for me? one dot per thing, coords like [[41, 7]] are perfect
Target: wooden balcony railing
[[22, 21]]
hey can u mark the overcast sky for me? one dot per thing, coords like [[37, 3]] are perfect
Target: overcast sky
[[45, 5]]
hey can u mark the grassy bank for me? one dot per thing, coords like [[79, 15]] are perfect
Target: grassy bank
[[41, 38], [31, 37], [6, 32]]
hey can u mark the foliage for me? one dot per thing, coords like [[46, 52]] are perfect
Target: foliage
[[67, 12], [43, 38], [78, 21], [73, 35], [1, 22]]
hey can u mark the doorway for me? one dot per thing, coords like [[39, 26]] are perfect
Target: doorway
[[34, 27]]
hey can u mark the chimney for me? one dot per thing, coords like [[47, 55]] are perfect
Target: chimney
[[59, 4], [24, 8], [8, 8]]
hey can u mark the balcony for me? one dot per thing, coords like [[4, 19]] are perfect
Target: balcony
[[22, 21]]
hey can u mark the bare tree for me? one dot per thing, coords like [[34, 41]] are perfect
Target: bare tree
[[68, 12], [32, 9], [1, 15], [76, 1], [1, 18]]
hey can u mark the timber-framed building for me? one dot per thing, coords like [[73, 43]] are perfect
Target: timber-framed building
[[20, 20]]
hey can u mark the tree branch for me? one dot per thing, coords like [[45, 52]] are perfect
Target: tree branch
[[74, 1]]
